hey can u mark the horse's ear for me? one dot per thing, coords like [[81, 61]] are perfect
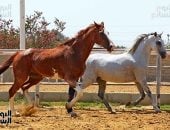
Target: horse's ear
[[155, 34], [160, 34], [102, 23], [96, 25]]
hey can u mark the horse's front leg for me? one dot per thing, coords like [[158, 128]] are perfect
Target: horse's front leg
[[71, 94], [142, 96], [78, 95], [147, 90]]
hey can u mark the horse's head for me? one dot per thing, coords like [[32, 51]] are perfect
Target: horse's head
[[101, 38], [158, 44]]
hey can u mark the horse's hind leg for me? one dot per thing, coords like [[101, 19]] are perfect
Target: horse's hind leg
[[142, 95], [12, 91], [101, 92], [33, 79], [11, 104]]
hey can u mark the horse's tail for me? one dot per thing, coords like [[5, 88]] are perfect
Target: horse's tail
[[4, 66]]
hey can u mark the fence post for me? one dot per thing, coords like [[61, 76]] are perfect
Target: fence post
[[1, 78], [158, 79], [37, 95]]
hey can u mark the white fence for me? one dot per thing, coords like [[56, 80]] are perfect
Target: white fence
[[117, 51], [4, 52]]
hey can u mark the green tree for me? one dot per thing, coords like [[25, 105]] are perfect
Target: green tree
[[9, 36], [37, 33], [120, 47]]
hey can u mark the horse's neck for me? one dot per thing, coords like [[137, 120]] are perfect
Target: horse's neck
[[83, 47], [69, 42], [142, 54]]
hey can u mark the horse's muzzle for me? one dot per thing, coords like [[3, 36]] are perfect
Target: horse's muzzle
[[110, 48], [163, 54]]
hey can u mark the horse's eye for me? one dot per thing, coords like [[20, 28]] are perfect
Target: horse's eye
[[158, 43], [101, 31]]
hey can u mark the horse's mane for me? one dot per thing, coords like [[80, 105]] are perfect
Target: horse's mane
[[136, 43], [70, 42], [84, 31]]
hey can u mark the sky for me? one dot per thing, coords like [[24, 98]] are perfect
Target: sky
[[123, 19]]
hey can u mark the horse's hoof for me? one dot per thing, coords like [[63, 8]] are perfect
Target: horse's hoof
[[73, 114], [157, 110], [113, 112], [16, 114], [128, 104]]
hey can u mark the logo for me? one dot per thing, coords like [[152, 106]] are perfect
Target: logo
[[5, 10], [162, 12], [6, 117]]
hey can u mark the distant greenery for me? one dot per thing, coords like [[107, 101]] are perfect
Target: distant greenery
[[38, 34], [50, 104], [165, 107], [3, 103], [79, 105], [120, 47], [168, 47]]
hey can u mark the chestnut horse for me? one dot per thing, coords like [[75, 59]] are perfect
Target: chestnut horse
[[67, 60]]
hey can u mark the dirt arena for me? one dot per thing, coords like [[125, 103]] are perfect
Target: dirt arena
[[92, 118]]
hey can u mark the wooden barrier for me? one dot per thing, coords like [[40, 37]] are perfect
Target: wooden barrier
[[7, 76], [117, 51]]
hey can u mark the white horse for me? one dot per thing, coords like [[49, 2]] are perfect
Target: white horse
[[127, 67]]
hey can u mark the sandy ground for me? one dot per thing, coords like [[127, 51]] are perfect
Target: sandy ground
[[93, 88], [92, 119]]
